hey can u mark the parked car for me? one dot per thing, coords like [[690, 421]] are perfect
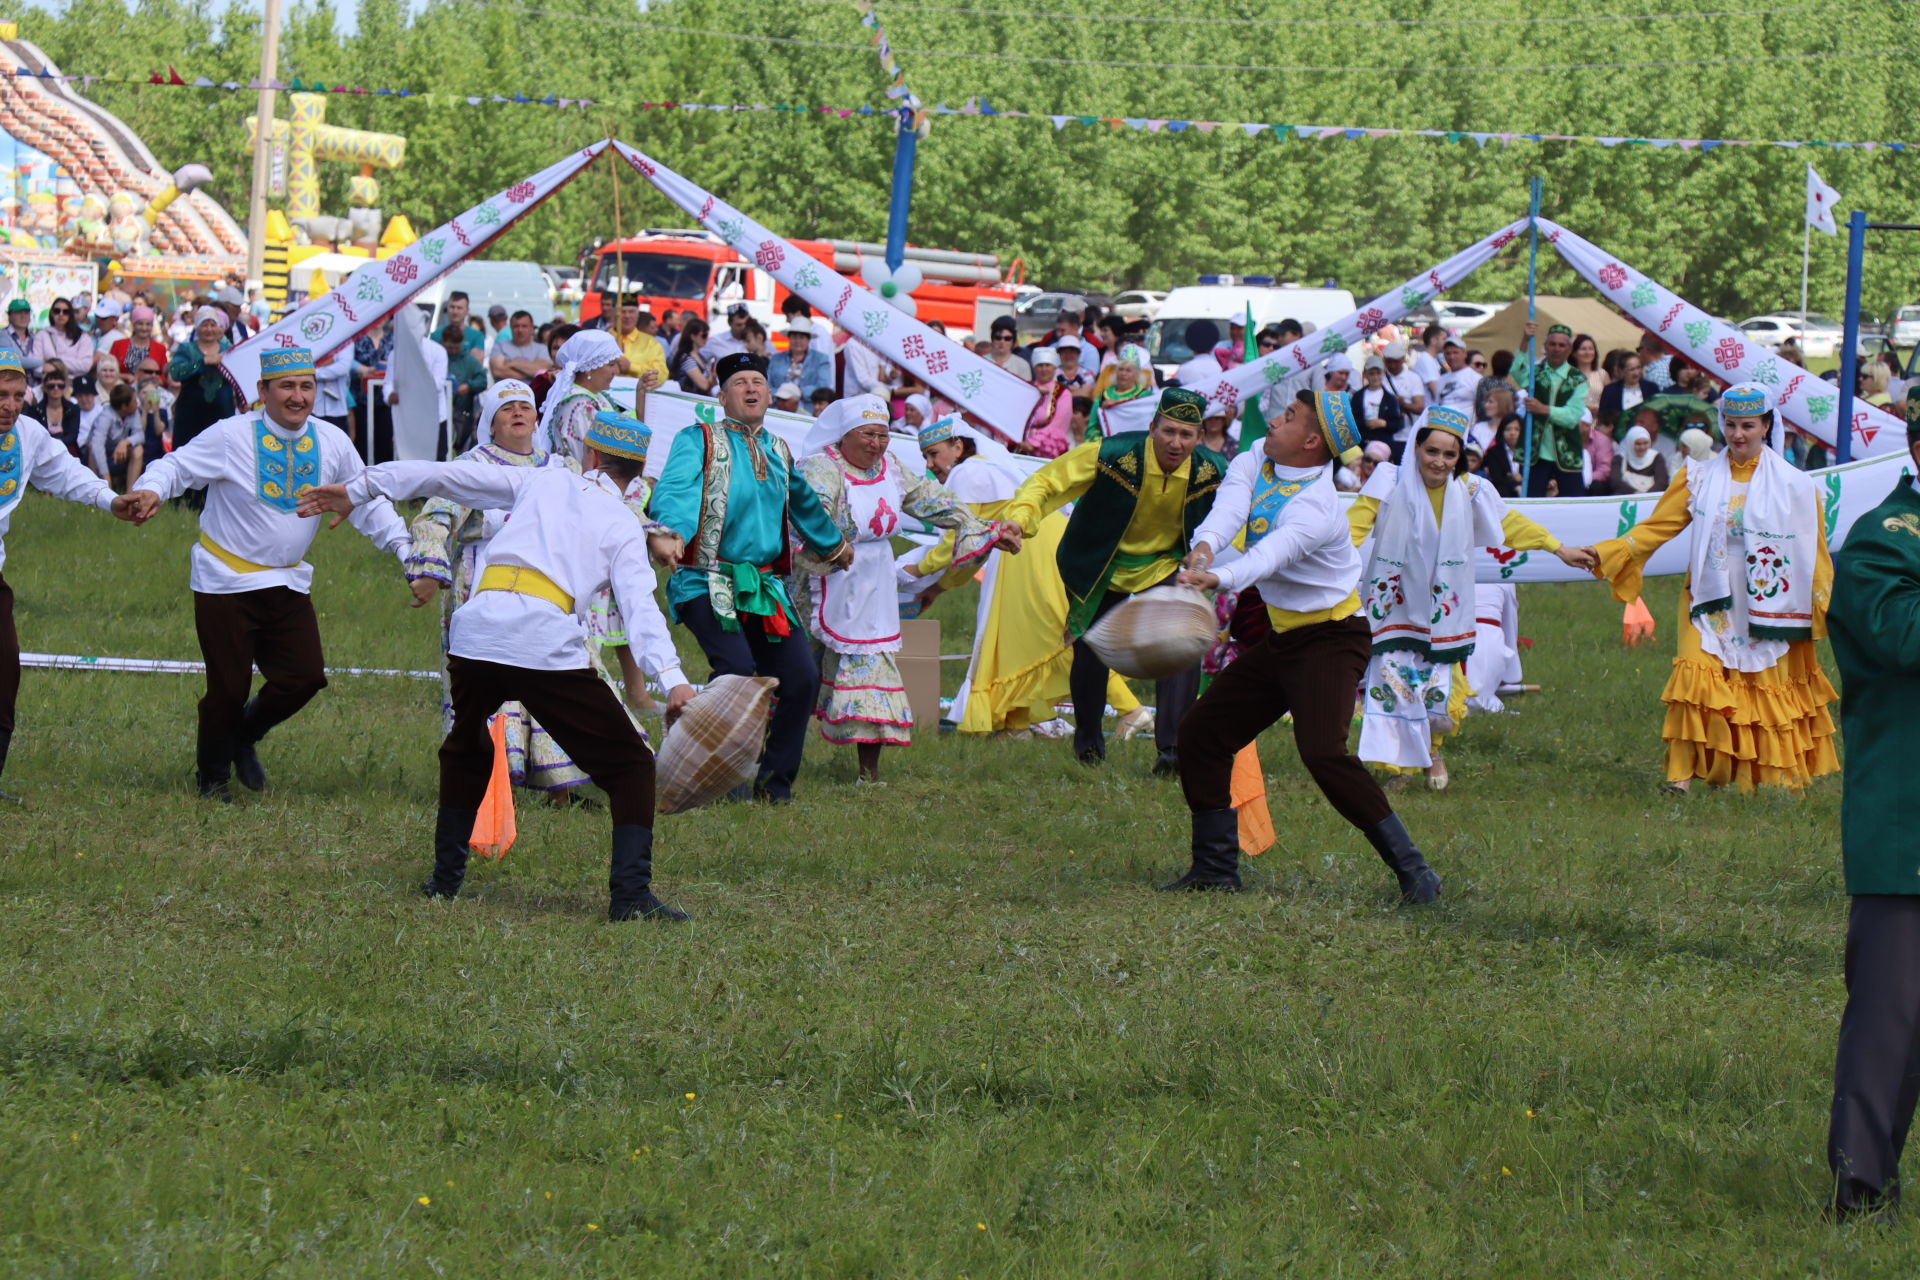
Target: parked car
[[1035, 314], [1221, 303], [1819, 336], [1138, 304], [566, 284], [1461, 317], [1906, 327]]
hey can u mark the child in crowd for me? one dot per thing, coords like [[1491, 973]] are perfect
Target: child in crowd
[[123, 439]]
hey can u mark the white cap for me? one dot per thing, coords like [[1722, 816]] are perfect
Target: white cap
[[787, 391], [1338, 362], [1045, 355], [107, 309], [1394, 351]]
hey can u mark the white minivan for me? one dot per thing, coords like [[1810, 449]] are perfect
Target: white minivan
[[1219, 303]]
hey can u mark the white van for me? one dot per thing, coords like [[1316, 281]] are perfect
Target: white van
[[1167, 337], [517, 286]]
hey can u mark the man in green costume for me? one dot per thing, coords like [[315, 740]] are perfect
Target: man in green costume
[[1874, 624], [1556, 397], [1137, 498]]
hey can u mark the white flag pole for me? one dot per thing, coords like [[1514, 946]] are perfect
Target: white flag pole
[[1806, 247]]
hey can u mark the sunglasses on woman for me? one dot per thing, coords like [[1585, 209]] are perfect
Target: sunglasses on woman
[[59, 311], [1476, 364]]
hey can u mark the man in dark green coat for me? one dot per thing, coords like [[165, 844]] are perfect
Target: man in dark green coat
[[1874, 624], [1137, 498]]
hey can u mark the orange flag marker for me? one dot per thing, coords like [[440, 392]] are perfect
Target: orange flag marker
[[1636, 624], [1248, 791], [494, 828]]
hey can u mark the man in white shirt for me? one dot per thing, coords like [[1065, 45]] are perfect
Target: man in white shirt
[[1426, 359], [867, 371], [732, 339], [29, 456], [249, 575], [1456, 384], [1300, 558], [522, 637], [1407, 387]]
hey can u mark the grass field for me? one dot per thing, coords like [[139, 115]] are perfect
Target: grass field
[[937, 1029]]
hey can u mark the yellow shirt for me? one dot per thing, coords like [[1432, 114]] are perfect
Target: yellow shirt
[[1624, 559], [1158, 526], [643, 352]]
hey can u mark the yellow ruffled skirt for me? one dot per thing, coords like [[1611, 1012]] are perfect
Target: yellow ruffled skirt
[[1747, 728]]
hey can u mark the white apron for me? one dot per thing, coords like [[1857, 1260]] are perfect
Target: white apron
[[858, 609]]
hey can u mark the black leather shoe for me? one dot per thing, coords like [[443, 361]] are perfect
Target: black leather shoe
[[1167, 763], [630, 878], [1419, 885], [1216, 854], [246, 767], [213, 765], [452, 832]]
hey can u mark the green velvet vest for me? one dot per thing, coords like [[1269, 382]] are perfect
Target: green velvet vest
[[1091, 546]]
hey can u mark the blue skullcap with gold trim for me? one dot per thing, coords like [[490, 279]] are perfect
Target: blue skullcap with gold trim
[[285, 362], [939, 431], [1745, 400], [10, 362], [619, 436], [1445, 418], [1337, 424]]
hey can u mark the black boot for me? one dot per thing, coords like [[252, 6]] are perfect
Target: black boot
[[246, 761], [1389, 838], [452, 832], [630, 881], [1167, 763], [6, 741], [213, 763], [1216, 853]]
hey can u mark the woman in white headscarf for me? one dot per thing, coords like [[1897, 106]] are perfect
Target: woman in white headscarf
[[1747, 701], [855, 615], [1426, 517], [589, 362], [918, 412], [1638, 466], [448, 542], [205, 395]]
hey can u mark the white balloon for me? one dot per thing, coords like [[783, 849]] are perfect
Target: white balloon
[[908, 277], [873, 273]]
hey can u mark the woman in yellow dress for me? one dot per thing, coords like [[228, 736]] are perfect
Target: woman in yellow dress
[[1747, 701], [1021, 653], [1426, 517]]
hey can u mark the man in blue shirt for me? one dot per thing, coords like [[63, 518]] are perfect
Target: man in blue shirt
[[729, 491], [800, 363]]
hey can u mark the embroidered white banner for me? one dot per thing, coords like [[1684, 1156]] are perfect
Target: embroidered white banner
[[374, 291], [1255, 376], [978, 386], [1806, 400]]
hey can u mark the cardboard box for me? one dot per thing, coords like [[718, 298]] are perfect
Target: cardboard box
[[920, 670]]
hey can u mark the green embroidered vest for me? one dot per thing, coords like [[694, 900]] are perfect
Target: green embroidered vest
[[1090, 551]]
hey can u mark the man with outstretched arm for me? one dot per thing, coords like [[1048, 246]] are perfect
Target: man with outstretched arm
[[249, 575], [522, 637], [1300, 555]]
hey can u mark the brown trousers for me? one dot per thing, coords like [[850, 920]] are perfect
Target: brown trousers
[[9, 659], [575, 707], [1311, 671], [272, 628]]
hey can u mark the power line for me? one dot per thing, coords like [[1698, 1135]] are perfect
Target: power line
[[972, 55], [1175, 20]]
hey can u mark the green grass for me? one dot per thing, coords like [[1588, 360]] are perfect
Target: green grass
[[938, 1029]]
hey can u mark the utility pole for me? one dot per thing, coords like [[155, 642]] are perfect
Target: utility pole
[[263, 145]]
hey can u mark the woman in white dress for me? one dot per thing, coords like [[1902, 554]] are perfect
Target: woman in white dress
[[855, 615], [1426, 517]]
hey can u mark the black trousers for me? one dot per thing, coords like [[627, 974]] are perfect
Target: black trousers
[[1311, 671], [1876, 1072], [274, 629], [9, 659], [575, 707], [750, 652], [1087, 684], [1571, 484]]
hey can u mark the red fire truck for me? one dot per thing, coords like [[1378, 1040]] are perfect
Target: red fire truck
[[696, 270]]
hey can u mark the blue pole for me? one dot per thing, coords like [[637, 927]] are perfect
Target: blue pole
[[906, 143], [1850, 338], [1534, 189]]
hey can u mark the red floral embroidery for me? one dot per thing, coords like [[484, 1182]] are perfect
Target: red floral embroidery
[[1372, 320], [884, 520], [846, 296], [913, 346], [1672, 312], [1729, 354], [770, 255], [1613, 275], [936, 361], [520, 192], [402, 268]]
